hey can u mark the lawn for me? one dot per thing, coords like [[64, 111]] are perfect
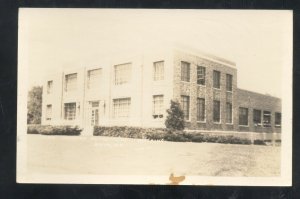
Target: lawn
[[125, 156]]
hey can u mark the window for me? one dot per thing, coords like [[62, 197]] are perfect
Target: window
[[49, 112], [228, 82], [216, 79], [185, 105], [121, 107], [200, 109], [158, 68], [256, 117], [228, 113], [216, 111], [267, 118], [243, 116], [185, 71], [201, 75], [158, 104], [71, 82], [70, 111], [49, 87], [277, 119], [94, 78], [122, 73]]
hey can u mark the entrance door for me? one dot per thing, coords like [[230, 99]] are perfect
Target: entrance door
[[94, 113]]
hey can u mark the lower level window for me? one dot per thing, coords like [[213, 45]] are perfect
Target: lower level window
[[185, 105], [158, 104], [228, 113], [200, 109], [243, 116], [217, 111], [49, 112], [277, 119], [70, 111], [121, 107], [257, 117], [267, 119]]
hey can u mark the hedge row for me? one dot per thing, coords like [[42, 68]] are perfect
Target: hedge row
[[167, 135], [53, 130]]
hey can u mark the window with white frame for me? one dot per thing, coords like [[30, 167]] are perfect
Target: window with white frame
[[228, 113], [121, 107], [49, 87], [267, 118], [216, 79], [243, 116], [122, 73], [277, 119], [200, 109], [228, 82], [158, 70], [49, 112], [216, 111], [185, 71], [185, 105], [94, 78], [71, 82], [256, 117], [158, 106], [201, 75], [70, 111]]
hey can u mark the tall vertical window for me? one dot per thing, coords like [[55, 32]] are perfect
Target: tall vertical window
[[228, 82], [257, 117], [216, 79], [201, 75], [71, 82], [94, 78], [185, 71], [121, 107], [185, 105], [49, 87], [200, 109], [158, 71], [228, 113], [122, 73], [277, 119], [70, 111], [267, 118], [243, 116], [158, 106], [49, 112], [216, 111]]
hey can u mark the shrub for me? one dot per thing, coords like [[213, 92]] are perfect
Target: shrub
[[175, 117], [259, 142], [53, 130]]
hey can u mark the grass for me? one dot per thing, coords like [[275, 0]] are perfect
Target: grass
[[125, 156]]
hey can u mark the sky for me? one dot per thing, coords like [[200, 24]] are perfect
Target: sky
[[259, 42]]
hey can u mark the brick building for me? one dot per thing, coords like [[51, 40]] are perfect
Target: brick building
[[136, 90]]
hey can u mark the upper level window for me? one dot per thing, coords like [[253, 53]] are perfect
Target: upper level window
[[49, 87], [158, 106], [94, 78], [49, 112], [158, 70], [216, 79], [200, 109], [185, 105], [216, 111], [228, 113], [257, 117], [201, 75], [267, 118], [71, 82], [277, 119], [121, 107], [185, 71], [70, 111], [228, 82], [122, 73], [243, 116]]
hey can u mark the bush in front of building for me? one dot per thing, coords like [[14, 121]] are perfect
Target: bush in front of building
[[175, 117], [53, 130]]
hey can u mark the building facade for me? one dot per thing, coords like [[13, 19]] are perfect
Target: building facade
[[137, 90]]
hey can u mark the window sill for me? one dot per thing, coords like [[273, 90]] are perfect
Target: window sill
[[217, 123], [185, 81], [229, 123], [218, 89], [200, 85], [243, 125], [229, 92], [201, 122]]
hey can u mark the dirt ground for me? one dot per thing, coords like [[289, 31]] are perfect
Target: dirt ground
[[123, 156]]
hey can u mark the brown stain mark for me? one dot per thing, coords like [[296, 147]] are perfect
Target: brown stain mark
[[176, 180]]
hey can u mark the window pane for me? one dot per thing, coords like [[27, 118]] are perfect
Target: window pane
[[267, 118], [185, 103], [49, 87], [257, 117], [185, 71], [228, 82], [71, 82], [243, 116], [216, 79], [94, 78], [158, 71], [216, 111], [200, 109], [49, 112], [122, 73], [158, 104], [70, 111], [228, 112], [278, 119], [121, 107], [201, 75]]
